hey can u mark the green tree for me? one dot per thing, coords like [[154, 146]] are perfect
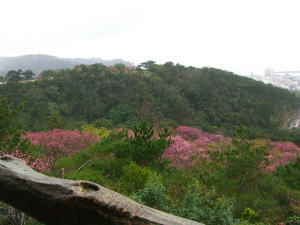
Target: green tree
[[144, 148], [294, 220], [121, 114], [47, 74], [149, 65], [10, 133], [135, 177], [28, 74], [207, 208], [153, 194], [290, 173], [14, 76], [120, 66], [55, 121], [239, 167]]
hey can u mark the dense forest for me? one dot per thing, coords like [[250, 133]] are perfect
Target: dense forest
[[167, 94], [203, 144]]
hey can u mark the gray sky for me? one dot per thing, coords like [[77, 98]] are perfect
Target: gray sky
[[242, 36]]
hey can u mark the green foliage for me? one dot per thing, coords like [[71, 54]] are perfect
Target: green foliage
[[294, 220], [249, 214], [237, 171], [10, 130], [121, 114], [171, 94], [28, 74], [153, 194], [207, 208], [98, 157], [103, 123], [120, 66], [177, 183], [290, 173], [230, 188], [135, 177], [144, 148], [14, 76], [239, 165], [86, 174], [101, 132], [55, 121], [149, 65]]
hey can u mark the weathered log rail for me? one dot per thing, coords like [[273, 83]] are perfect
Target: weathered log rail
[[55, 201]]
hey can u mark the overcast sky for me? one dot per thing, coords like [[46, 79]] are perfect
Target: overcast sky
[[242, 36]]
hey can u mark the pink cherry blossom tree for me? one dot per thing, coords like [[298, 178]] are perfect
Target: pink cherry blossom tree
[[58, 142]]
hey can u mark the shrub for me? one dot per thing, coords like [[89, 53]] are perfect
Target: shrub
[[290, 173], [249, 214], [86, 174], [294, 220], [153, 194], [143, 148], [99, 155], [55, 121], [206, 207], [103, 123], [100, 132], [135, 177]]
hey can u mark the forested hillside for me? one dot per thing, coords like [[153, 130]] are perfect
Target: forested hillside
[[167, 94], [88, 123]]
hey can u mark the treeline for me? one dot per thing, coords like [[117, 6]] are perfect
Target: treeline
[[211, 99], [14, 76]]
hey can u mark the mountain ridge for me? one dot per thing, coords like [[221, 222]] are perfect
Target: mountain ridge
[[40, 62]]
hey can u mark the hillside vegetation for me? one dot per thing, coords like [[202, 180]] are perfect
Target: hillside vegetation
[[167, 94], [89, 123]]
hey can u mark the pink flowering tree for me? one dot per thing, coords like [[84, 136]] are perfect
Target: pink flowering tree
[[58, 142], [179, 152], [39, 164], [190, 143], [282, 153], [11, 141], [188, 133]]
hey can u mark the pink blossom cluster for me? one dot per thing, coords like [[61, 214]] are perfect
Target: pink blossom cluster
[[58, 142], [179, 152], [282, 153], [38, 164], [190, 143], [190, 133]]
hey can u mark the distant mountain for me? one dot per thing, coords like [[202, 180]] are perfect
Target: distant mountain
[[38, 63]]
